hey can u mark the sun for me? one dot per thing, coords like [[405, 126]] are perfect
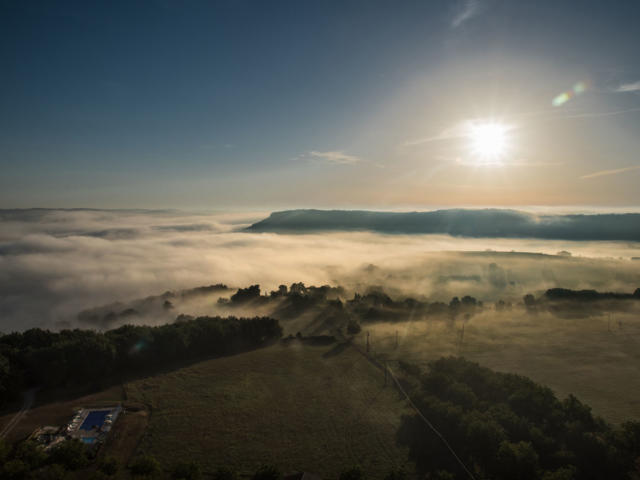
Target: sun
[[489, 142]]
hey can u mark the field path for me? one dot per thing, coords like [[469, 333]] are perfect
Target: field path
[[29, 397]]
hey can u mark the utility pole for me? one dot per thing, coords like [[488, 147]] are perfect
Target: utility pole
[[367, 342], [386, 372], [396, 338]]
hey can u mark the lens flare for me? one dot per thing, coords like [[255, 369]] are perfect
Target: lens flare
[[564, 97]]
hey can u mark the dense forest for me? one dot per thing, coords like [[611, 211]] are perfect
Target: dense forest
[[41, 358], [505, 426]]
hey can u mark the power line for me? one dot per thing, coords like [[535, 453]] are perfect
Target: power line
[[430, 425]]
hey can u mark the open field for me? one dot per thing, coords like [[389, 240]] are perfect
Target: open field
[[318, 409], [579, 356]]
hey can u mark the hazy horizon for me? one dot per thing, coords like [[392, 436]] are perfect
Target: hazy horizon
[[56, 263]]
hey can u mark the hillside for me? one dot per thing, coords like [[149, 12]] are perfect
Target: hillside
[[491, 223], [318, 409]]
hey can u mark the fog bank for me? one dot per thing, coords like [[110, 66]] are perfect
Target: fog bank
[[55, 263]]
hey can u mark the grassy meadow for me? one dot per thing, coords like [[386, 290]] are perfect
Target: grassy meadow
[[302, 408], [594, 358]]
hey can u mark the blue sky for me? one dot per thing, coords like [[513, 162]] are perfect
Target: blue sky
[[239, 104]]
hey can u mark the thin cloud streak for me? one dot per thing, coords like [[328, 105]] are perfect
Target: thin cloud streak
[[338, 157], [628, 87], [601, 114], [470, 9], [603, 173], [459, 131]]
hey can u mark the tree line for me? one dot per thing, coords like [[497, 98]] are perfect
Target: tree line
[[72, 460], [42, 358]]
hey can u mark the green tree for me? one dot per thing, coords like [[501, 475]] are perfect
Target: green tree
[[145, 465], [71, 454], [442, 475], [354, 473], [353, 327], [31, 454], [564, 473], [109, 465], [224, 474], [50, 472], [186, 471], [517, 460], [14, 470], [5, 449], [396, 475], [267, 472]]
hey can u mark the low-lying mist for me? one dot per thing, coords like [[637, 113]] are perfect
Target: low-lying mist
[[56, 263]]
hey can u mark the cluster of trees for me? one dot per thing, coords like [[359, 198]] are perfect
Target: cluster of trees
[[505, 426], [71, 459], [28, 460], [107, 316], [376, 305], [589, 295], [149, 467], [326, 304], [564, 302], [85, 357]]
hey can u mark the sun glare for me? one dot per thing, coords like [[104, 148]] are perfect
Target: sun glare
[[488, 142]]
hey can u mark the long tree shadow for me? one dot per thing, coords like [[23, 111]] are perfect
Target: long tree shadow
[[337, 349]]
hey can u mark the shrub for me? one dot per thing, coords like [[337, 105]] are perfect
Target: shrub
[[71, 454], [50, 472], [267, 472], [108, 465], [145, 465], [353, 327], [186, 471], [396, 475], [14, 469], [354, 473], [98, 475], [224, 474]]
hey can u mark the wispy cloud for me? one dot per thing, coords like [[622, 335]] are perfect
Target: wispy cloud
[[468, 10], [603, 173], [628, 87], [457, 131], [335, 156], [597, 114]]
